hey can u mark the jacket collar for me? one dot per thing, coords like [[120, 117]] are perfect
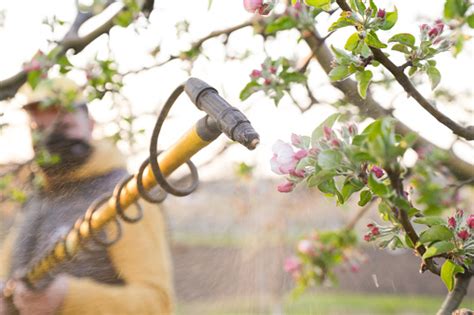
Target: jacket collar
[[105, 157]]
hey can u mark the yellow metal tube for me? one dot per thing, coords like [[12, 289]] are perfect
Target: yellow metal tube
[[188, 145]]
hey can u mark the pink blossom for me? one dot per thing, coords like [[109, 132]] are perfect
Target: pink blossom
[[292, 264], [286, 187], [367, 237], [295, 139], [327, 132], [335, 143], [375, 231], [424, 27], [32, 66], [283, 160], [313, 152], [300, 154], [381, 13], [256, 74], [306, 247], [297, 173], [470, 221], [253, 5], [273, 69], [297, 5], [352, 129], [268, 81], [355, 268], [463, 234], [378, 172], [451, 222]]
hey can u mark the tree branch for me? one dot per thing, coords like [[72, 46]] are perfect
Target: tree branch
[[455, 297], [465, 132], [71, 40], [371, 108]]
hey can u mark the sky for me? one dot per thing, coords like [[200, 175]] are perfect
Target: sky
[[23, 34]]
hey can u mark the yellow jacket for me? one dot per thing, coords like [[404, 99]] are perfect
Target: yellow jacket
[[141, 258]]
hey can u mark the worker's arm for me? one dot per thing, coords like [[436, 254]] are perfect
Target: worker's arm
[[142, 259], [6, 252]]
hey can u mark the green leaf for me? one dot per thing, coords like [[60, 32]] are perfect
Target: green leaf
[[317, 178], [448, 273], [329, 187], [365, 197], [342, 58], [320, 4], [248, 90], [363, 80], [284, 22], [34, 77], [454, 8], [350, 187], [290, 77], [373, 7], [373, 41], [319, 130], [401, 48], [436, 233], [342, 22], [352, 42], [378, 188], [124, 18], [329, 159], [358, 6], [340, 72], [470, 20], [434, 75], [390, 20], [430, 221], [404, 39], [438, 248]]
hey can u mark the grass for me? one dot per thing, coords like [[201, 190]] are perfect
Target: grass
[[324, 304]]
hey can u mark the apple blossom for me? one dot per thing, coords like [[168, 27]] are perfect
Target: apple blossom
[[253, 5], [306, 247], [292, 264], [283, 160]]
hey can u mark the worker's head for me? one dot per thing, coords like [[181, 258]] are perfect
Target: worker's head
[[59, 122]]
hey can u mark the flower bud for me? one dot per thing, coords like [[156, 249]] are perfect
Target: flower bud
[[381, 14], [452, 223], [470, 221], [256, 74], [286, 187], [300, 154], [295, 139], [378, 172], [327, 132], [463, 234]]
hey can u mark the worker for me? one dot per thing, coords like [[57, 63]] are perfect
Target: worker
[[134, 275]]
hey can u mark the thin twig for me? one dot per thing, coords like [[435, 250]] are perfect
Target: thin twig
[[465, 132]]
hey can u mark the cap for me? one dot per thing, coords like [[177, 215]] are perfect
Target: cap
[[55, 92]]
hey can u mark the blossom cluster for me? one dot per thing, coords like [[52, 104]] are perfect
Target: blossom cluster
[[434, 33], [463, 228], [316, 256], [259, 6]]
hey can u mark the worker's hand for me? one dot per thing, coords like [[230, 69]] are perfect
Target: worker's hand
[[44, 302]]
